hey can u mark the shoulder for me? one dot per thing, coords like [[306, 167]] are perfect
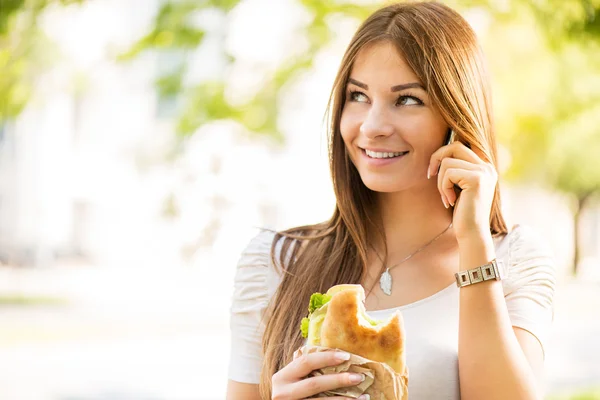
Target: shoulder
[[530, 285], [259, 247], [269, 241], [526, 242], [252, 273], [522, 242], [528, 258], [252, 291], [259, 264]]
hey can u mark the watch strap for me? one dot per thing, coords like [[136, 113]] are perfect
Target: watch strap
[[494, 270]]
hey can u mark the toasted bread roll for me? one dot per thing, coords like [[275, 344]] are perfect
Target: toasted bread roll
[[348, 327]]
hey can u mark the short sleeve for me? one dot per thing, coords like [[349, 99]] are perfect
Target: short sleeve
[[529, 292], [249, 301]]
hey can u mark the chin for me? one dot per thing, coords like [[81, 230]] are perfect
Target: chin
[[385, 184]]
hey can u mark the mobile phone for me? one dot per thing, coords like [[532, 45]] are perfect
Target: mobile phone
[[450, 136]]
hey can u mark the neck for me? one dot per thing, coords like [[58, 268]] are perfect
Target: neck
[[411, 218]]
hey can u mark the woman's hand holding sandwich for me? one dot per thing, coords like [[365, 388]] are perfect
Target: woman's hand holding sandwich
[[290, 383]]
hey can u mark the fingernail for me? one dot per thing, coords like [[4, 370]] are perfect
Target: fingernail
[[340, 355], [364, 397], [357, 378], [444, 201], [428, 173]]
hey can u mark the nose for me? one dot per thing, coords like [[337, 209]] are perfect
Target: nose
[[376, 124]]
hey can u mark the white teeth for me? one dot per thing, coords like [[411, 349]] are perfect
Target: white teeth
[[374, 154]]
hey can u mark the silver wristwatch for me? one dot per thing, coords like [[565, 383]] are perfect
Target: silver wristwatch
[[492, 270]]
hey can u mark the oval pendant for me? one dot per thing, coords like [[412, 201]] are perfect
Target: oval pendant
[[385, 282]]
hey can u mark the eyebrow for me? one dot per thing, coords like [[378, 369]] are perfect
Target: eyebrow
[[396, 88]]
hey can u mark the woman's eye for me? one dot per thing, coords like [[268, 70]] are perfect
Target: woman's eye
[[405, 101], [354, 95]]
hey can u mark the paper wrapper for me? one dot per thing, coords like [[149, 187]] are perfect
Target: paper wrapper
[[381, 381]]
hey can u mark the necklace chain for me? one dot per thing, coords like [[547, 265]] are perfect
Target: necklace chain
[[414, 252], [385, 280]]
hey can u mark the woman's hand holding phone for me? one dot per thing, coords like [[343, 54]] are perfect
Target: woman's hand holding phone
[[455, 164]]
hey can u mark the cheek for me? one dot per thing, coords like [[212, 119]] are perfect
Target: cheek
[[423, 136], [347, 130]]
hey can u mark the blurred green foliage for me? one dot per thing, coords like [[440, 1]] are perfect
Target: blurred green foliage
[[25, 51], [547, 78], [206, 101], [22, 300], [544, 57], [545, 61], [171, 29], [592, 394]]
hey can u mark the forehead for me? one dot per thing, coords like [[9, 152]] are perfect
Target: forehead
[[381, 61]]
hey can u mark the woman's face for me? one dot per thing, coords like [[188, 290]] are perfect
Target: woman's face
[[388, 111]]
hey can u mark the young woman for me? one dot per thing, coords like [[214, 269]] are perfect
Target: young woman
[[412, 210]]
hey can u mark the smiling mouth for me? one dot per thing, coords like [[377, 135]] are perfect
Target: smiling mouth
[[383, 155]]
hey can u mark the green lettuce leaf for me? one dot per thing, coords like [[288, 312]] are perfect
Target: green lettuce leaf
[[304, 327], [317, 300], [316, 320], [311, 325]]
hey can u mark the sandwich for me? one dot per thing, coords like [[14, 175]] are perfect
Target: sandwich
[[338, 319]]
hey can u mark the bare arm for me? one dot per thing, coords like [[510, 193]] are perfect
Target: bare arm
[[242, 391], [534, 354], [495, 360]]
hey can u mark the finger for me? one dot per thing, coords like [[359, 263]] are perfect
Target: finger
[[455, 163], [305, 364], [322, 383], [454, 150], [460, 177], [452, 163]]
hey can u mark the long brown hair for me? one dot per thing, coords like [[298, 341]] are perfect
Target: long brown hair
[[442, 50]]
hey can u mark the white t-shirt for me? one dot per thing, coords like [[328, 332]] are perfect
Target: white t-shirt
[[431, 324]]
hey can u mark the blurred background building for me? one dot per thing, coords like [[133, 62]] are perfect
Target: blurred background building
[[156, 136]]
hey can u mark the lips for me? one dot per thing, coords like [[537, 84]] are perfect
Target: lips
[[382, 150], [372, 161], [383, 154]]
